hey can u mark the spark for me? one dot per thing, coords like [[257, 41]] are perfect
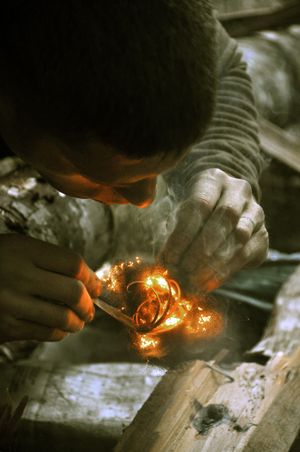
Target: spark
[[148, 342]]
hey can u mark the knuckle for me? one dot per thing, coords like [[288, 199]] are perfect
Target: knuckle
[[264, 236], [64, 320], [200, 198], [55, 335], [199, 201], [245, 187], [217, 173], [230, 212], [203, 203], [260, 214], [76, 292], [67, 323], [244, 255], [243, 234], [76, 265]]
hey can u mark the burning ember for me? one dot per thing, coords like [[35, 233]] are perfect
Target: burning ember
[[156, 306]]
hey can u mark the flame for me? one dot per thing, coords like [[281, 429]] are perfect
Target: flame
[[163, 309]]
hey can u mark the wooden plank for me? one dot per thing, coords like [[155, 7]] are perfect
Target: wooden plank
[[168, 408], [195, 409], [243, 23], [279, 144]]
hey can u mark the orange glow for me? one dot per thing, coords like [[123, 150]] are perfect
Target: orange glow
[[148, 346], [161, 307]]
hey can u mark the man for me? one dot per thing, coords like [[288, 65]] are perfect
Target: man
[[103, 96]]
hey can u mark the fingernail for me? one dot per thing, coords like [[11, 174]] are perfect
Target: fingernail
[[211, 285], [97, 287], [91, 314]]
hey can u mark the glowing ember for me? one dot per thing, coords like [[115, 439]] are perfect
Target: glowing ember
[[147, 342], [155, 304], [172, 321]]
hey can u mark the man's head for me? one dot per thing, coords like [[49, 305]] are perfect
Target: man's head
[[104, 89]]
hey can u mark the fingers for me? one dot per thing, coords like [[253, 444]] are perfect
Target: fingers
[[56, 259], [48, 314], [252, 254], [64, 290], [49, 302], [191, 217], [30, 331], [251, 220], [12, 329], [41, 312], [66, 262], [219, 225], [219, 230]]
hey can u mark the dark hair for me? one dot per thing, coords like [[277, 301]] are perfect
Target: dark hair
[[138, 75]]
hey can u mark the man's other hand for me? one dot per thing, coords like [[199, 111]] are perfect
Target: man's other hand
[[46, 291], [219, 230]]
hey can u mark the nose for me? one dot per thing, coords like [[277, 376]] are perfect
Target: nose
[[141, 193]]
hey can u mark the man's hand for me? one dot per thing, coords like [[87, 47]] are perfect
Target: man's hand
[[219, 230], [45, 291]]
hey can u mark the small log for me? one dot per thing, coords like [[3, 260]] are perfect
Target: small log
[[244, 23], [194, 408], [283, 331], [279, 144], [30, 206], [273, 65]]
